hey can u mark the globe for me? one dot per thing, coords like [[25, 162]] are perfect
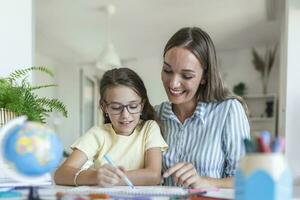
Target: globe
[[30, 149]]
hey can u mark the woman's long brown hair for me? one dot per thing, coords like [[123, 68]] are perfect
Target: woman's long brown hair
[[200, 44]]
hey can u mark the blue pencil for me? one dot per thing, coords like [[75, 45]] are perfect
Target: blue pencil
[[125, 178], [10, 194], [249, 146]]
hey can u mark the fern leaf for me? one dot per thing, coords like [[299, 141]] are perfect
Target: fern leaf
[[53, 104], [42, 86], [13, 77]]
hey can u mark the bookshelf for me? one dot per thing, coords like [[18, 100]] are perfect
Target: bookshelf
[[262, 112]]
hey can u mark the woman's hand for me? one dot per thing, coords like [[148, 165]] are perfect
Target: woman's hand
[[108, 176], [186, 175]]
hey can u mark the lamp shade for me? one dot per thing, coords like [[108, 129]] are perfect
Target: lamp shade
[[108, 58]]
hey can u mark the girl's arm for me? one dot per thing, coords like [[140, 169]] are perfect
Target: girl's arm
[[151, 174], [105, 176], [65, 174]]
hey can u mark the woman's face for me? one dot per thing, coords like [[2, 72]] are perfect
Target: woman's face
[[123, 106], [181, 75]]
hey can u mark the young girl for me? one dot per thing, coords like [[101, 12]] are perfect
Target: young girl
[[130, 136]]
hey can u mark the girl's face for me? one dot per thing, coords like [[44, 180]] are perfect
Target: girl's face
[[124, 107], [181, 75]]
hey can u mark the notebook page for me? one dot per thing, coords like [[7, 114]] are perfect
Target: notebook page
[[223, 193], [125, 190], [7, 182]]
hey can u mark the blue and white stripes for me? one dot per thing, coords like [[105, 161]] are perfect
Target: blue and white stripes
[[211, 139]]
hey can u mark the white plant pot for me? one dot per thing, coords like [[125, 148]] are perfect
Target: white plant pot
[[5, 116]]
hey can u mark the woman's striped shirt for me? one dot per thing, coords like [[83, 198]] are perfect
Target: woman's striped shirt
[[211, 139]]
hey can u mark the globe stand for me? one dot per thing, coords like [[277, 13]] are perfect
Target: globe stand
[[33, 193]]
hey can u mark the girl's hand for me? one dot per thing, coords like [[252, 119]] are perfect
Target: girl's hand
[[186, 175], [108, 176]]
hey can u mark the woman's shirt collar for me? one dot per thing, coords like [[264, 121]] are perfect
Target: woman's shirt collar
[[168, 113]]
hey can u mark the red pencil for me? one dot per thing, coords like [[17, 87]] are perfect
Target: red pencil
[[262, 146]]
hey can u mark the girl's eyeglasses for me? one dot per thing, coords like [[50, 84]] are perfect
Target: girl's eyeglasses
[[117, 108]]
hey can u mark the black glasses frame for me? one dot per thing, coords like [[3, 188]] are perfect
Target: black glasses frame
[[124, 106]]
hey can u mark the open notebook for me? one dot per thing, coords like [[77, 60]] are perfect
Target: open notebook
[[7, 182], [125, 190]]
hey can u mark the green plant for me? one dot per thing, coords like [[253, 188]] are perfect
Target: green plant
[[240, 89], [264, 65], [17, 95]]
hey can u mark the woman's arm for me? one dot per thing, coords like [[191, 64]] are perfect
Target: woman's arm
[[236, 129], [215, 182], [186, 174], [65, 174], [151, 174]]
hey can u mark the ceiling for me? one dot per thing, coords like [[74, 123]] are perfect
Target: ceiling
[[75, 29]]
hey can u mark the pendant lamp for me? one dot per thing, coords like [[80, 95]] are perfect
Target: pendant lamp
[[109, 57]]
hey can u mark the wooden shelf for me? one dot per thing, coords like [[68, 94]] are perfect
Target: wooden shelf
[[257, 104], [260, 96], [261, 119]]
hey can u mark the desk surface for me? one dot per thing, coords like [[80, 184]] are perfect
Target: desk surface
[[49, 193]]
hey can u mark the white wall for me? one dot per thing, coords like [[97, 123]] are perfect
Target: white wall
[[236, 66], [291, 82], [16, 35], [68, 91], [42, 79]]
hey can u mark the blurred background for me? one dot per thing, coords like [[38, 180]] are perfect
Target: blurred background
[[73, 36], [80, 39]]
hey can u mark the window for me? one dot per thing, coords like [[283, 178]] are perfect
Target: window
[[89, 96]]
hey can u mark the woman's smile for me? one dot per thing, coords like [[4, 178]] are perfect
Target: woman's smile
[[176, 92]]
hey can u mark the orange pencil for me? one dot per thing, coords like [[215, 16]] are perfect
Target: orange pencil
[[99, 196]]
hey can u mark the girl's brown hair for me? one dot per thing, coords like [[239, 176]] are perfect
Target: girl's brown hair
[[200, 44], [126, 77]]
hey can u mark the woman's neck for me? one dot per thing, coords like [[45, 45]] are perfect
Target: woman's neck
[[184, 111]]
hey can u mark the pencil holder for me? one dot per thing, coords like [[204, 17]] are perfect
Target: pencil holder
[[264, 176]]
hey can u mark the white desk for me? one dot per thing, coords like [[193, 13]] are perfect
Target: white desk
[[229, 193], [49, 193]]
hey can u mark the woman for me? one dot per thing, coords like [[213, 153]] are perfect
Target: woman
[[203, 124]]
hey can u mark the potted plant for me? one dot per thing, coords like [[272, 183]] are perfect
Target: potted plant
[[264, 65], [17, 97], [240, 89]]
